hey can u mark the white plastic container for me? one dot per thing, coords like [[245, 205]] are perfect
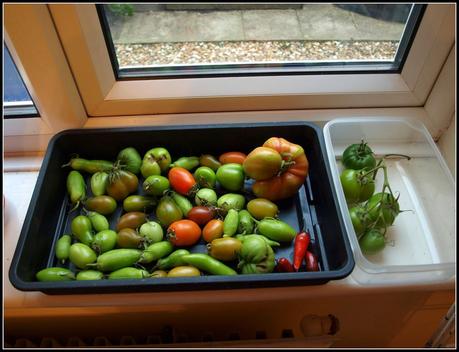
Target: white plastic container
[[423, 238]]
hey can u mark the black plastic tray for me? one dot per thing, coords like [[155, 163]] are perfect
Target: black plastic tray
[[314, 208]]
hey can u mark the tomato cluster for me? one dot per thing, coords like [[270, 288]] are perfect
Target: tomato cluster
[[192, 199], [371, 214]]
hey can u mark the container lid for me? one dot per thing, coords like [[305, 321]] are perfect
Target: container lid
[[420, 245]]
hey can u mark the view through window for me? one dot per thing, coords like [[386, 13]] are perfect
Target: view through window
[[16, 99], [168, 38]]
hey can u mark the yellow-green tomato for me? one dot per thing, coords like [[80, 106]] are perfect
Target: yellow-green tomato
[[81, 255], [226, 248], [231, 201], [183, 271], [63, 248], [261, 208], [128, 273], [89, 275], [55, 274], [206, 197], [104, 241], [82, 229], [152, 231], [159, 273]]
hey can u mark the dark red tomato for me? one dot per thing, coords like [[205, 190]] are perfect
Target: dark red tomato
[[232, 157], [201, 214], [183, 233], [181, 180]]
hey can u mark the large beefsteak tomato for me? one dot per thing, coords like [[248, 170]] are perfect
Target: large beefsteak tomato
[[293, 172]]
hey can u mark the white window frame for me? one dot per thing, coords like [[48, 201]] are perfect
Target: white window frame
[[62, 56], [35, 48], [104, 96]]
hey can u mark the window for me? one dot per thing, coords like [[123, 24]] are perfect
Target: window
[[177, 40], [105, 94], [16, 99]]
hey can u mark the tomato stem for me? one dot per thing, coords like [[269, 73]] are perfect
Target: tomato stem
[[285, 165]]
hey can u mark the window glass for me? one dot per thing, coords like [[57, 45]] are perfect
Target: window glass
[[16, 99], [171, 39]]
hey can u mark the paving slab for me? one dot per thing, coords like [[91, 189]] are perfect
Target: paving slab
[[271, 25], [311, 22], [181, 26], [327, 22]]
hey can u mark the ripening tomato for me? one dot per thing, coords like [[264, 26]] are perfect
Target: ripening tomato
[[232, 158], [201, 214], [262, 163], [181, 180], [292, 174], [183, 233], [212, 230], [121, 183]]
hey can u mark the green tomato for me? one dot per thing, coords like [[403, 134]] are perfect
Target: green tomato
[[98, 221], [359, 156], [231, 201], [187, 162], [358, 186], [155, 161], [82, 229], [360, 219], [99, 182], [205, 177], [117, 259], [156, 185], [89, 275], [276, 230], [63, 247], [206, 197], [81, 255], [55, 274], [130, 159], [372, 242], [382, 209], [152, 231], [128, 273], [168, 211], [76, 188], [104, 241], [231, 176]]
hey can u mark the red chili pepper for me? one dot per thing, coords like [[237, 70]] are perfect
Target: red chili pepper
[[311, 262], [284, 266], [301, 246]]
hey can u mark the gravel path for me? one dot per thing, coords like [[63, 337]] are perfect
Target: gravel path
[[252, 51]]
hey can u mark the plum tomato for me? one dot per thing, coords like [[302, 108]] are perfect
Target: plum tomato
[[183, 233]]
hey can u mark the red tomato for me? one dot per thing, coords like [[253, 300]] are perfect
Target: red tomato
[[181, 180], [232, 157], [183, 233], [201, 214]]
